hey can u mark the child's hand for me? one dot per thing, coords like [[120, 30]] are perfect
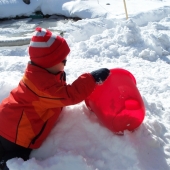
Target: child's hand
[[100, 75]]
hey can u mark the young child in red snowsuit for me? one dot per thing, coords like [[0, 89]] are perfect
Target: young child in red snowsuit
[[31, 110]]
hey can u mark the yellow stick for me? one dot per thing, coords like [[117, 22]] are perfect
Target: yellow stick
[[125, 9]]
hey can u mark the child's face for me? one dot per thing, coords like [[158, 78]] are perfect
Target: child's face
[[57, 68]]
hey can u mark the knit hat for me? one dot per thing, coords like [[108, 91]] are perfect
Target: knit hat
[[46, 49]]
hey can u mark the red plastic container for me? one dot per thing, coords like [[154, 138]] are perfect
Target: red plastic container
[[117, 102]]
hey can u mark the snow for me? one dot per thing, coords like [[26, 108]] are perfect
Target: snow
[[103, 38]]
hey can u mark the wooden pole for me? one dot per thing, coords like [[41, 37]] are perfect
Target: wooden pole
[[125, 9]]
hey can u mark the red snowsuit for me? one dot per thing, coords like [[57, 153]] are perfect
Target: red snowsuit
[[31, 110]]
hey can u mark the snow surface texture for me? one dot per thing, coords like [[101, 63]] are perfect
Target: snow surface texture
[[105, 38]]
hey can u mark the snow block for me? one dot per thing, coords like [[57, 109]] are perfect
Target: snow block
[[117, 102]]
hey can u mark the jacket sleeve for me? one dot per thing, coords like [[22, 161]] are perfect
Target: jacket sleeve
[[80, 89], [59, 95]]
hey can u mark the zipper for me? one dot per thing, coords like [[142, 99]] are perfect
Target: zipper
[[41, 131]]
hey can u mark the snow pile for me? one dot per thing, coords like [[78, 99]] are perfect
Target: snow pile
[[81, 8]]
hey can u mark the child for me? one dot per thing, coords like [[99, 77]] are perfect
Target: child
[[29, 113]]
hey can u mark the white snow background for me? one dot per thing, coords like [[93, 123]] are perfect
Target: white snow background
[[103, 38]]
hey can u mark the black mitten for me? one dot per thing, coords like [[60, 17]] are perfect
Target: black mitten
[[100, 75], [26, 1]]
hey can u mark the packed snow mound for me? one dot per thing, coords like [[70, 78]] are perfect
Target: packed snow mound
[[79, 8]]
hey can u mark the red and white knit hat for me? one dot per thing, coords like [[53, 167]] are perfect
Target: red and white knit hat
[[46, 49]]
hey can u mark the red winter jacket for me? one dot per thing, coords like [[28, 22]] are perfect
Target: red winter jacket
[[31, 110]]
